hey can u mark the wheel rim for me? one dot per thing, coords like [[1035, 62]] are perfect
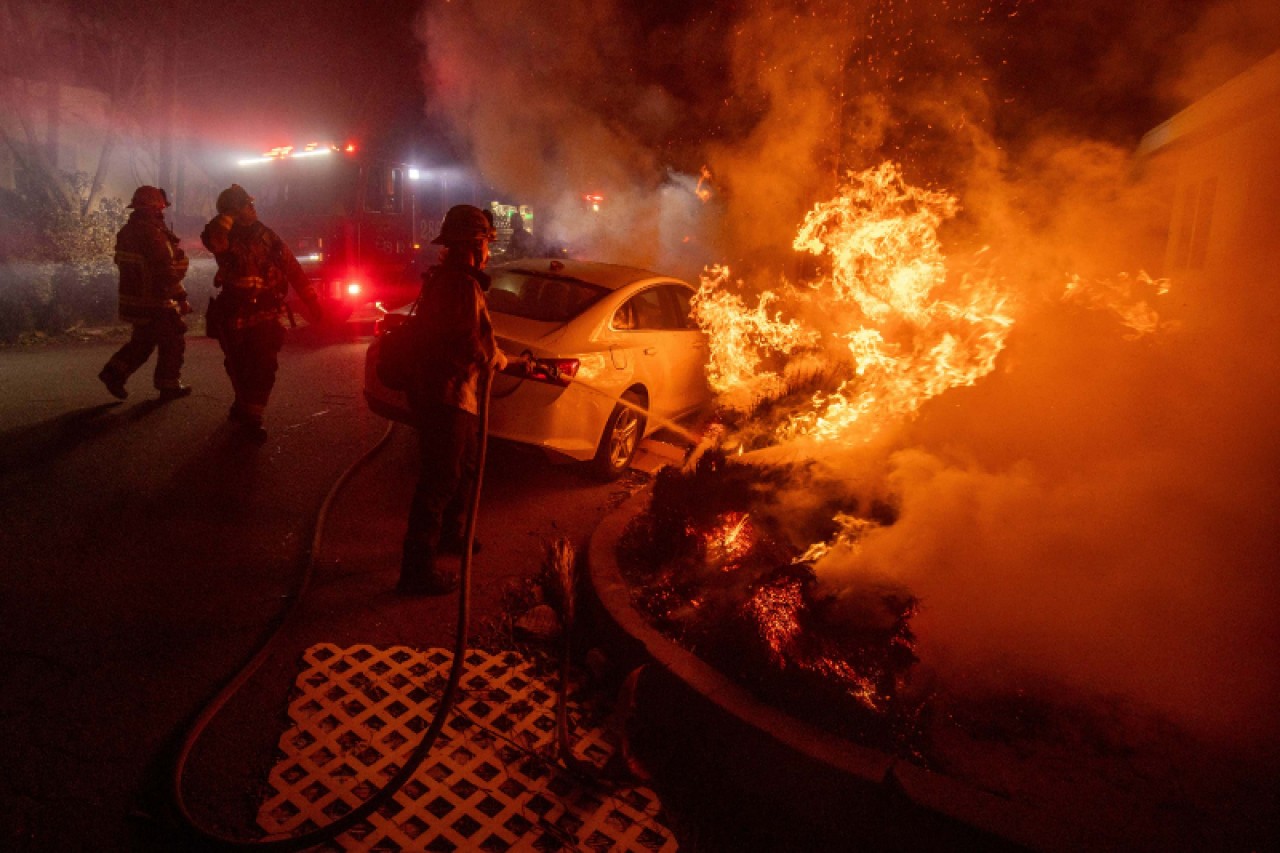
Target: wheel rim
[[623, 438]]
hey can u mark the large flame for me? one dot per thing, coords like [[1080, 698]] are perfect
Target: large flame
[[892, 323]]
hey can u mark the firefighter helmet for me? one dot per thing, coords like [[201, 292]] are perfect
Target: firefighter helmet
[[464, 224], [148, 196], [233, 199]]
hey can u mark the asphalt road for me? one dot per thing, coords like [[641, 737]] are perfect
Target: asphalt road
[[146, 551]]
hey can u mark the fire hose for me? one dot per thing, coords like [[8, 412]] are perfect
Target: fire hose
[[332, 830]]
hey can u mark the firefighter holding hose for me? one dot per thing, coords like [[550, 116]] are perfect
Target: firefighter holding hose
[[255, 271], [455, 343]]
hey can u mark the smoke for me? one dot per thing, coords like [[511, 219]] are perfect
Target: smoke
[[551, 103], [1100, 510]]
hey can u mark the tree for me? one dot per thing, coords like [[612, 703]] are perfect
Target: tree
[[51, 50]]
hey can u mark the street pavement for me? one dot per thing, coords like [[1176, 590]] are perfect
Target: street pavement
[[147, 551]]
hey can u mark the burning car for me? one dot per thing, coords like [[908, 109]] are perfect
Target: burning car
[[616, 355]]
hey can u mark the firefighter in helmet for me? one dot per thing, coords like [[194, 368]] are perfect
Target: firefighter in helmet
[[456, 344], [255, 271], [522, 244], [152, 298]]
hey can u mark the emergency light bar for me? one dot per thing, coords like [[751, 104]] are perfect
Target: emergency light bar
[[284, 152]]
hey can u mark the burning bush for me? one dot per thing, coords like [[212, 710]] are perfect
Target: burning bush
[[710, 566]]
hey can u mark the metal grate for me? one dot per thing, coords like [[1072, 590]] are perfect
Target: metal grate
[[488, 785]]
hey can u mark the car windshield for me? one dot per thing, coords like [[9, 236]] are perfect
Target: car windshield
[[539, 297]]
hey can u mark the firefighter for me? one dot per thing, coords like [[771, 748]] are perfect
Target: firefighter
[[255, 271], [456, 344], [152, 298], [521, 244]]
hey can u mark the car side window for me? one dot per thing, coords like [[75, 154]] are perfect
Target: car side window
[[624, 319], [647, 312], [681, 307]]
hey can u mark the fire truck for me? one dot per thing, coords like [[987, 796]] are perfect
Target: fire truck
[[350, 219]]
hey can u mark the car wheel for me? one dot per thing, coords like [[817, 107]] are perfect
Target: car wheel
[[621, 438]]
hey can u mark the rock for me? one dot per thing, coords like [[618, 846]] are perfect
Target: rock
[[541, 622]]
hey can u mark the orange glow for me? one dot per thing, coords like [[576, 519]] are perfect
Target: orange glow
[[730, 540], [703, 190], [774, 609], [886, 314], [1130, 299]]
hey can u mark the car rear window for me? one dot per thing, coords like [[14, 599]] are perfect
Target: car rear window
[[537, 297]]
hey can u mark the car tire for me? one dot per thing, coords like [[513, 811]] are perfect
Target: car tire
[[621, 438]]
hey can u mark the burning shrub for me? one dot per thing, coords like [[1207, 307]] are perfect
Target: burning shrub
[[710, 568]]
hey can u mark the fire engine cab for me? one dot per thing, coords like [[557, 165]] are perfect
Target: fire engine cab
[[350, 220]]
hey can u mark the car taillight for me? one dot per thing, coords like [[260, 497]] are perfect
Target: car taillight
[[557, 371], [353, 288]]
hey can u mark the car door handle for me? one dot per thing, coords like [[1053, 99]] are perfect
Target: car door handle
[[650, 350]]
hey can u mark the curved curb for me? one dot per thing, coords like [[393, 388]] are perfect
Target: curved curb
[[838, 779]]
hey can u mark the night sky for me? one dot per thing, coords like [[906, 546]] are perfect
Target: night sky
[[334, 68]]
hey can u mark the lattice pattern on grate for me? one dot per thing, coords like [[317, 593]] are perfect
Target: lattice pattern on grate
[[486, 786]]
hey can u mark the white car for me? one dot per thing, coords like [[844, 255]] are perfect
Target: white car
[[617, 357]]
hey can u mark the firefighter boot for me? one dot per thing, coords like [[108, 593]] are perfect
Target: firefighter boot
[[250, 423], [419, 574], [175, 393], [113, 382]]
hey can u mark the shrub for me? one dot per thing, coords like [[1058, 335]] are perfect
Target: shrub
[[68, 278]]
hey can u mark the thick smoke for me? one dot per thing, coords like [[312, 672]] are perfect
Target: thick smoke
[[1099, 511]]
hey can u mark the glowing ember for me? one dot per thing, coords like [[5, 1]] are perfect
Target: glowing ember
[[730, 541], [774, 609]]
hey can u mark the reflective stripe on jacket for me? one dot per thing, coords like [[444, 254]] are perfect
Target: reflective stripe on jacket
[[255, 271], [151, 266]]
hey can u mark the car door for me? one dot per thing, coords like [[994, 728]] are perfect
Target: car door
[[642, 326], [685, 351]]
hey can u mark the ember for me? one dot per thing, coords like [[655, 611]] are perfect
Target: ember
[[728, 585]]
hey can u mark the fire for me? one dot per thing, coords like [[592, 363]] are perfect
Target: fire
[[851, 530], [775, 610], [730, 540], [1126, 297], [740, 337], [888, 320], [703, 189]]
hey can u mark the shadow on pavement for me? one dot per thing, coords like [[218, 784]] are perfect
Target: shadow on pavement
[[328, 334], [39, 444]]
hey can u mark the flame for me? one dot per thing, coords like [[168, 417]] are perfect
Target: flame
[[703, 189], [848, 538], [889, 318], [1123, 296], [730, 540], [740, 337]]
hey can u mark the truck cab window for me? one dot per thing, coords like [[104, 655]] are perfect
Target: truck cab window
[[384, 191]]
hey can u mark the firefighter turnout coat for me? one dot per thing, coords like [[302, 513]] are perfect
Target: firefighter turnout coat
[[255, 271], [152, 267], [457, 339]]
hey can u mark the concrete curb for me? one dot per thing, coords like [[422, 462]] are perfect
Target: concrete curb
[[820, 776]]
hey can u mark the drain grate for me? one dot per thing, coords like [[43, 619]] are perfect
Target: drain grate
[[488, 785]]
